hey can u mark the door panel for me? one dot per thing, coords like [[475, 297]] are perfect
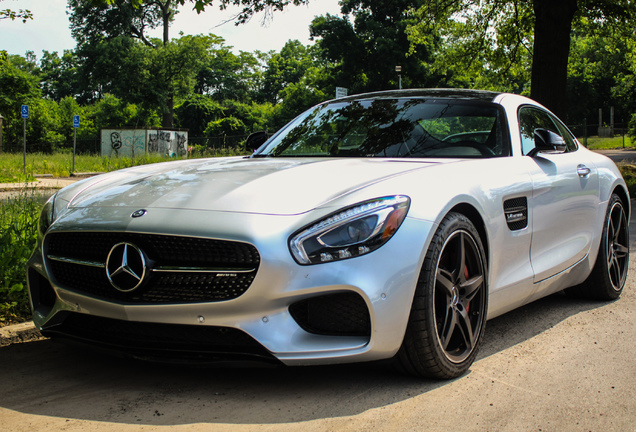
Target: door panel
[[564, 201], [564, 211]]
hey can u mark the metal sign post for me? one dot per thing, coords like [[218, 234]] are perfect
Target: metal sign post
[[25, 116], [76, 122]]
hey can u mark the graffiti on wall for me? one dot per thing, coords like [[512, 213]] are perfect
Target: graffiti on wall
[[171, 143], [137, 142]]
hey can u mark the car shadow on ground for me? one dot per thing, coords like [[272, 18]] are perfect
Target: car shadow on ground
[[53, 379]]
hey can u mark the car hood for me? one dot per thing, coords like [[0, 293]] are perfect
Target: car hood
[[250, 185]]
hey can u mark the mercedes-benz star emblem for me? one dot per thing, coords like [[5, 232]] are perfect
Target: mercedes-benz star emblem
[[138, 213], [125, 267]]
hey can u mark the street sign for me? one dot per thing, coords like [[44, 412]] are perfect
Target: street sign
[[76, 121], [341, 92], [25, 111]]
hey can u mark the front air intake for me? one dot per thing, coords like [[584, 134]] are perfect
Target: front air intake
[[339, 314]]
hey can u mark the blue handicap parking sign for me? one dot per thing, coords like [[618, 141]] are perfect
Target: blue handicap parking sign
[[25, 111], [76, 121]]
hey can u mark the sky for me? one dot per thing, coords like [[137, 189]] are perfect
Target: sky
[[49, 29]]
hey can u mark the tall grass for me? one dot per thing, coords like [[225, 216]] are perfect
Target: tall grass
[[18, 234], [61, 164], [596, 143]]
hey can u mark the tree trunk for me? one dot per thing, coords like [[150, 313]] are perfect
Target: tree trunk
[[165, 15], [551, 50], [168, 115]]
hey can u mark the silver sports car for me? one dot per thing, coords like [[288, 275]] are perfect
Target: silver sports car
[[382, 226]]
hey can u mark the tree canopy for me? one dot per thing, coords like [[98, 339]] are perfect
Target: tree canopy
[[119, 76], [497, 35]]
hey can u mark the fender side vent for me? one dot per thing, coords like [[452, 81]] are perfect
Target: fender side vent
[[516, 213]]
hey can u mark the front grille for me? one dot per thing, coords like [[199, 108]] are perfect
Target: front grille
[[157, 340], [339, 314], [180, 269], [164, 249]]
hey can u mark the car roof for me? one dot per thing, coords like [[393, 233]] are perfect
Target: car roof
[[446, 93]]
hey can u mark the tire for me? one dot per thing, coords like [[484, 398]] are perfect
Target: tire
[[608, 276], [448, 314]]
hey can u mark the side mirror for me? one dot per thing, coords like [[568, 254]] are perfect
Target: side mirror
[[545, 140], [255, 140]]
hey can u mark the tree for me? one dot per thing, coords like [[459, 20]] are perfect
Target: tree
[[542, 26], [93, 21], [17, 87], [285, 68], [601, 73], [364, 53], [59, 75], [225, 75], [22, 14]]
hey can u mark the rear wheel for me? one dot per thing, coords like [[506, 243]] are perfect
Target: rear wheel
[[610, 271], [448, 315]]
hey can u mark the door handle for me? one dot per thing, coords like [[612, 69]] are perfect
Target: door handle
[[583, 171]]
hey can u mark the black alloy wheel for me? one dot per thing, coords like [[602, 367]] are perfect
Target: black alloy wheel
[[617, 246], [609, 274], [448, 315], [459, 296]]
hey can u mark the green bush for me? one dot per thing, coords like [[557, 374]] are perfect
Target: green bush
[[631, 128], [629, 174], [18, 234]]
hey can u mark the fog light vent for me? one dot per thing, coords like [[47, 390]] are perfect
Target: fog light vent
[[42, 293], [340, 314]]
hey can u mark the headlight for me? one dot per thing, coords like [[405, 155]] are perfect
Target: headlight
[[351, 232], [48, 215]]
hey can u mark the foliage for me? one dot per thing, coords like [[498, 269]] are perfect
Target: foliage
[[21, 14], [203, 115], [17, 87], [363, 54], [59, 76], [18, 235], [596, 143], [114, 79], [501, 37], [631, 131], [601, 72], [196, 111], [629, 174], [285, 68], [225, 75]]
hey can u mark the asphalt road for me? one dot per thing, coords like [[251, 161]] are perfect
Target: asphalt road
[[558, 364], [627, 155]]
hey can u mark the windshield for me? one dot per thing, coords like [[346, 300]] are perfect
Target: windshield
[[404, 127]]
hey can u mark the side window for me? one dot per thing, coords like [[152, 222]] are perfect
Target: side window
[[531, 118], [567, 136]]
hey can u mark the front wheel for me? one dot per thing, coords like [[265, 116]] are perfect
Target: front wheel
[[448, 315]]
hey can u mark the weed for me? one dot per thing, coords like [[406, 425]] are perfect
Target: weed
[[61, 164], [18, 234]]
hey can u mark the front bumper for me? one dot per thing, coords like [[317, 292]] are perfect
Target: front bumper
[[274, 319]]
